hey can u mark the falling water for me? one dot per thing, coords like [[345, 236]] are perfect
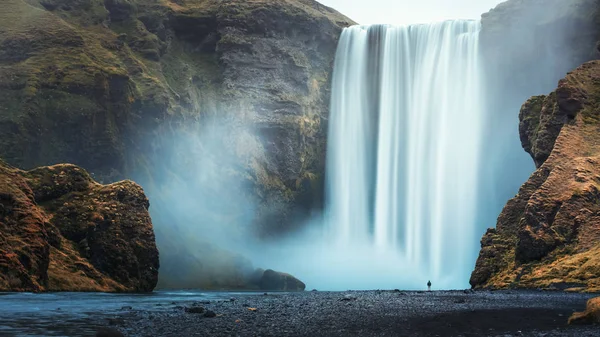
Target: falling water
[[403, 149]]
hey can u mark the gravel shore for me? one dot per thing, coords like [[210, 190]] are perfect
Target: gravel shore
[[369, 313]]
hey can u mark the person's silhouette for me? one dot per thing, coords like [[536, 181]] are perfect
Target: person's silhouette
[[428, 285]]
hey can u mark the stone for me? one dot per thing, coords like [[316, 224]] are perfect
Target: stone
[[277, 281], [195, 310], [348, 298], [210, 314], [66, 232]]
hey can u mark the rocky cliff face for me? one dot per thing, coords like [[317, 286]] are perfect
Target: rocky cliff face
[[548, 236], [526, 46], [119, 87], [61, 231]]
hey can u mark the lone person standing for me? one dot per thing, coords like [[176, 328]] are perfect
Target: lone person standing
[[428, 285]]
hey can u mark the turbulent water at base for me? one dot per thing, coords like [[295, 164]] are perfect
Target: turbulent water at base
[[404, 146]]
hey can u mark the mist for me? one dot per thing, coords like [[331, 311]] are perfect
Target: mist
[[202, 203]]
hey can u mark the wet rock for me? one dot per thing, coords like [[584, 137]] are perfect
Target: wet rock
[[546, 236], [277, 281], [348, 298], [210, 314], [195, 310]]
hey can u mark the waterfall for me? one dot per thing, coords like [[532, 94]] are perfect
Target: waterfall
[[404, 145]]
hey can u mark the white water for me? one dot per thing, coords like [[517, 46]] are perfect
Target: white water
[[404, 147]]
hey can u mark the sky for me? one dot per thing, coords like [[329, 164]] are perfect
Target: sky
[[410, 11]]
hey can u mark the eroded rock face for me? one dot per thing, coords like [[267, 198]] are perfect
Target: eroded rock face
[[61, 231], [112, 86], [548, 236]]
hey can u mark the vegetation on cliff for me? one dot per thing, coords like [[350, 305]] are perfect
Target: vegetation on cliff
[[548, 236], [114, 85], [61, 231]]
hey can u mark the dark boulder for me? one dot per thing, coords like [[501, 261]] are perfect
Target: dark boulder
[[195, 310], [210, 314], [276, 281]]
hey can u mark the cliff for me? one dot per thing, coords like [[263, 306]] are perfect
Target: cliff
[[548, 236], [61, 231], [128, 89], [526, 46]]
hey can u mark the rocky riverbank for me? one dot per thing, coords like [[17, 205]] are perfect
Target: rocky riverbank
[[371, 313]]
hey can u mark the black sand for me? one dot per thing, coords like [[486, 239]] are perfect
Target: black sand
[[372, 313]]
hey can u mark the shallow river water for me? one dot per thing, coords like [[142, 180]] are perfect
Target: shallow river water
[[81, 314]]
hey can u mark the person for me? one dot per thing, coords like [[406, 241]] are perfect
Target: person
[[428, 285]]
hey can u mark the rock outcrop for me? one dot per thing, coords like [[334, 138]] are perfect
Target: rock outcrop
[[276, 281], [591, 315], [61, 231], [526, 47], [548, 236]]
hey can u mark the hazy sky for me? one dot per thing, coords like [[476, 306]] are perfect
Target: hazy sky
[[410, 11]]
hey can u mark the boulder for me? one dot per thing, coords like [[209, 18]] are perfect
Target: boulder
[[591, 315], [195, 310], [276, 281]]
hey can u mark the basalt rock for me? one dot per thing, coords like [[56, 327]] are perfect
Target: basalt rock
[[548, 236], [61, 231]]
